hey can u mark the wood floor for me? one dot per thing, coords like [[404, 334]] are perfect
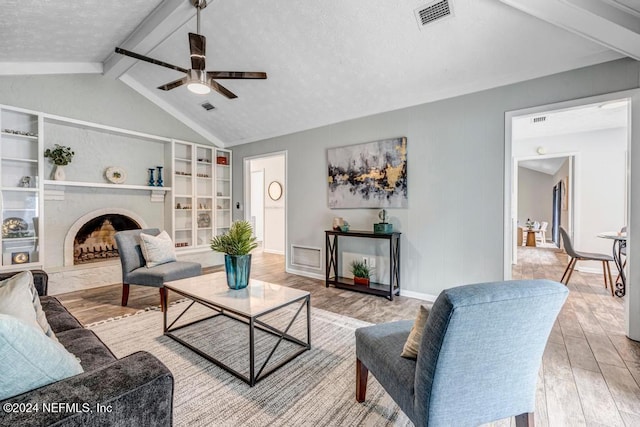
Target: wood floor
[[590, 373]]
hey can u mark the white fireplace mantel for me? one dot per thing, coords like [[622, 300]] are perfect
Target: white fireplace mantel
[[54, 190]]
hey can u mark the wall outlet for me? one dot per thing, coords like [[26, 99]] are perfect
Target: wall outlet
[[372, 262]]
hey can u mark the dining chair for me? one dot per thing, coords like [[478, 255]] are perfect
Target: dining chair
[[542, 232], [478, 358], [584, 256]]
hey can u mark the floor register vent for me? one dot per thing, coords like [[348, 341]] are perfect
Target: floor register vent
[[432, 12]]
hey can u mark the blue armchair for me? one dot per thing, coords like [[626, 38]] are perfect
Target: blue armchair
[[479, 357], [135, 272]]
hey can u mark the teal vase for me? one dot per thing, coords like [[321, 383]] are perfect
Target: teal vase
[[238, 268]]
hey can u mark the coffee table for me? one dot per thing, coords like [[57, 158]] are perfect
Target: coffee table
[[244, 305]]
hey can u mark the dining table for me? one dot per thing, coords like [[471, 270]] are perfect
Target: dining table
[[619, 243]]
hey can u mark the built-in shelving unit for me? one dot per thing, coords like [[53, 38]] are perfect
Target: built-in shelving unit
[[223, 191], [20, 188]]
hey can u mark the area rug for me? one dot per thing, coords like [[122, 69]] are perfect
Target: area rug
[[315, 389]]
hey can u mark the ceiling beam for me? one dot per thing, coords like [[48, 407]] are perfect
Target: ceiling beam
[[37, 68], [156, 28], [152, 96], [595, 21]]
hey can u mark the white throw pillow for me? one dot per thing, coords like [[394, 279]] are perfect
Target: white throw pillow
[[157, 249], [33, 358], [16, 299]]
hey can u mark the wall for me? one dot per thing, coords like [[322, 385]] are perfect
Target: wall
[[453, 230], [599, 188], [99, 100], [535, 198], [92, 98], [274, 215]]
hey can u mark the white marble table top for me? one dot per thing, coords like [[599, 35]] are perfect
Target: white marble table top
[[258, 298], [614, 235]]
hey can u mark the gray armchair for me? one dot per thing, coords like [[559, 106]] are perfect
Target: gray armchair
[[479, 356], [135, 272]]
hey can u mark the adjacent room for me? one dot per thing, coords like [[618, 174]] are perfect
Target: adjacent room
[[331, 213]]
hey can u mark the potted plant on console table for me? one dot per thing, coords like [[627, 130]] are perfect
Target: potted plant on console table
[[236, 244], [361, 272]]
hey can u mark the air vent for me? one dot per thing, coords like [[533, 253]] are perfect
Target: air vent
[[539, 119], [305, 256], [432, 12], [207, 106]]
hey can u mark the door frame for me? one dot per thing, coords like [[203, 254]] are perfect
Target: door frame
[[632, 298], [514, 199], [246, 173]]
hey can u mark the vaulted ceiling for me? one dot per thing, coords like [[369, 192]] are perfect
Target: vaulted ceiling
[[327, 61]]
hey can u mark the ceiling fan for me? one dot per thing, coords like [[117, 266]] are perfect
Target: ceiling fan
[[197, 79]]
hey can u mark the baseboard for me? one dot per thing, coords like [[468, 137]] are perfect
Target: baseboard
[[271, 251], [418, 295], [305, 273]]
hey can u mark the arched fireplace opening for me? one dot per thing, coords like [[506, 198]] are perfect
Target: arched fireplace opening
[[95, 242]]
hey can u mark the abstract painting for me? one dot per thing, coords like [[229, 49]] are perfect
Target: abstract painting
[[370, 175]]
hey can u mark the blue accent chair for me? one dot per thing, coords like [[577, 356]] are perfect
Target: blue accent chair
[[479, 357], [135, 272]]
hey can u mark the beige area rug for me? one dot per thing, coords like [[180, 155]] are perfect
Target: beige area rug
[[315, 389]]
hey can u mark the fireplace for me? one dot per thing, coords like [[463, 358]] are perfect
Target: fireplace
[[91, 238], [95, 241]]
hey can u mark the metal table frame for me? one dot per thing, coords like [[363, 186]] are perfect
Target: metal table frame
[[619, 243], [253, 322]]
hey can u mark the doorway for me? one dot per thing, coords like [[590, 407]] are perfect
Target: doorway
[[265, 207]]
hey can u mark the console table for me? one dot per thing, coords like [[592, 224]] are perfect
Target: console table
[[332, 265]]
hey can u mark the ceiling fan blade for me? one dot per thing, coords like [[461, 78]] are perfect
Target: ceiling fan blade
[[198, 46], [151, 60], [173, 84], [236, 75], [223, 90]]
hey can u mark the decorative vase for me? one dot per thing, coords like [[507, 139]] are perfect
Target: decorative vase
[[238, 268], [159, 180], [151, 179], [58, 173]]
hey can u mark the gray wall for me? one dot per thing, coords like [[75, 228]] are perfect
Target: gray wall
[[535, 196], [453, 229], [93, 98]]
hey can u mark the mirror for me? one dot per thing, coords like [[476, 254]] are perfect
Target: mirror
[[275, 190]]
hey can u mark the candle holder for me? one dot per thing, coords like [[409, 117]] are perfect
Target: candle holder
[[159, 180], [151, 179]]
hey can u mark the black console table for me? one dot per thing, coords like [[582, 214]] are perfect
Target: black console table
[[332, 266]]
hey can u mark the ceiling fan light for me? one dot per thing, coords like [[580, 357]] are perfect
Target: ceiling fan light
[[199, 88]]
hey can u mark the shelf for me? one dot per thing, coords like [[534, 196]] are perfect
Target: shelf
[[223, 197], [373, 288], [186, 196], [19, 239], [18, 160], [26, 190], [204, 228], [184, 229], [157, 193], [204, 163], [16, 135], [183, 209], [180, 159], [223, 210], [221, 165], [223, 179]]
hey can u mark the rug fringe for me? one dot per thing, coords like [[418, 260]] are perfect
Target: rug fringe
[[124, 316]]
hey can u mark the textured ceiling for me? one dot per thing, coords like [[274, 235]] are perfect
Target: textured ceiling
[[327, 61], [67, 31], [333, 60], [562, 122]]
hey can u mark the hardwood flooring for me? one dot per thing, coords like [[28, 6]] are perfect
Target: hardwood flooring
[[590, 372]]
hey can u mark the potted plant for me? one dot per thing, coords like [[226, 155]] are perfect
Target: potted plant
[[59, 156], [361, 272], [236, 244]]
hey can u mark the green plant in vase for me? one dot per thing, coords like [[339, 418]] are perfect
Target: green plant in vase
[[361, 272], [60, 156], [236, 244]]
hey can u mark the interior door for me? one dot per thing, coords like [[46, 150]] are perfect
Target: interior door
[[557, 219]]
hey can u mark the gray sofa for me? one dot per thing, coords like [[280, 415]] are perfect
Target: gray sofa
[[135, 390]]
